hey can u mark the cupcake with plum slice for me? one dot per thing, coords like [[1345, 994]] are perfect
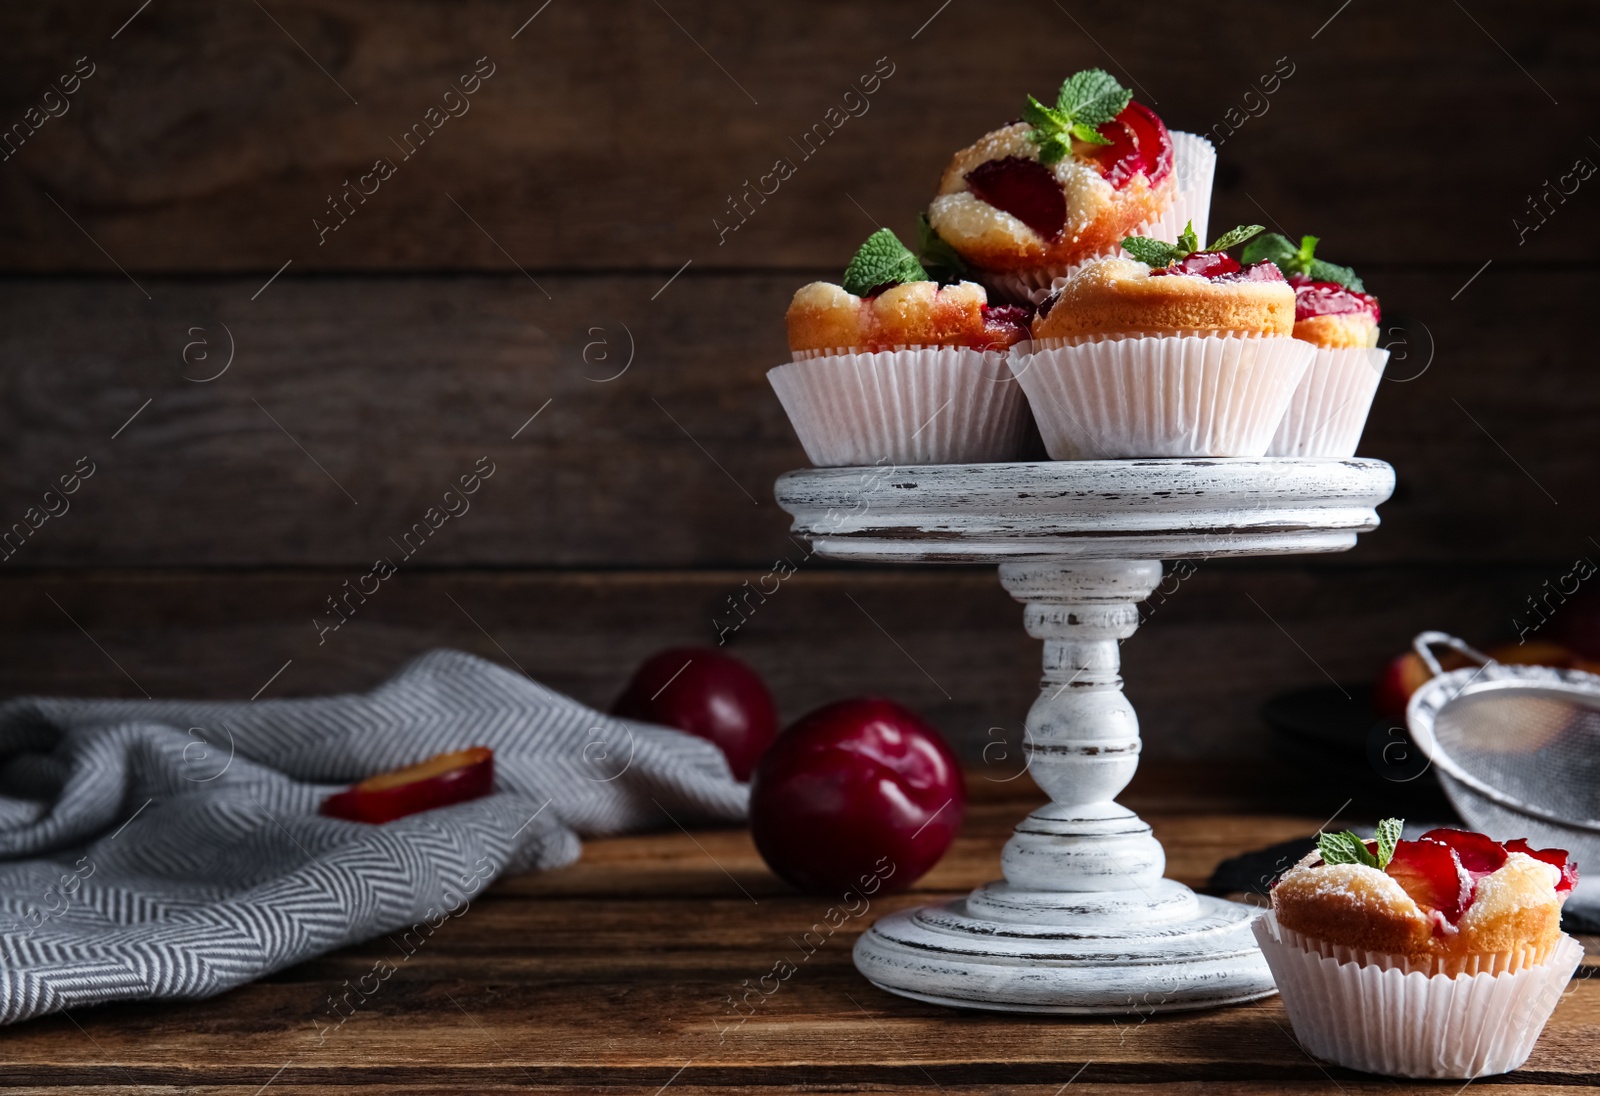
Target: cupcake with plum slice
[[1333, 312], [1029, 201], [892, 366], [1439, 957], [1179, 351]]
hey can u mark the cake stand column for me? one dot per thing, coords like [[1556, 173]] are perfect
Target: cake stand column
[[1083, 921], [1082, 739]]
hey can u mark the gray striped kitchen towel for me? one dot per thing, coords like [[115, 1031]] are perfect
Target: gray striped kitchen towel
[[153, 848]]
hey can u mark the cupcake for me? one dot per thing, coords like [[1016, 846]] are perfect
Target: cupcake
[[893, 367], [1180, 351], [1333, 312], [1440, 957], [1035, 198]]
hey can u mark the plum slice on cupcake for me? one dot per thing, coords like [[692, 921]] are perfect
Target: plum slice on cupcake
[[1334, 312], [1180, 351], [1028, 201], [893, 367], [1438, 957]]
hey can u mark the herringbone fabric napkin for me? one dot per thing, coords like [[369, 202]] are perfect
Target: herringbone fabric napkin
[[174, 849]]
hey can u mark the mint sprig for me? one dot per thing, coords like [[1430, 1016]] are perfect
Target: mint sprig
[[1088, 99], [883, 260], [1347, 848], [1283, 254], [941, 261], [1157, 253]]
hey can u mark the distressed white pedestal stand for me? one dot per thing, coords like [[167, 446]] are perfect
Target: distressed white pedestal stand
[[1083, 922]]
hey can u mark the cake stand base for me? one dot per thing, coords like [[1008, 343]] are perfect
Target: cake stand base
[[943, 955]]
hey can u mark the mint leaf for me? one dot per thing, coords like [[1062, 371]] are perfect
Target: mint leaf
[[1054, 149], [1323, 271], [1188, 242], [1275, 249], [1092, 97], [1344, 848], [1039, 116], [1388, 837], [1234, 237], [942, 262], [1053, 145], [1052, 131], [1088, 99], [1153, 253], [1308, 248], [1088, 135], [882, 260]]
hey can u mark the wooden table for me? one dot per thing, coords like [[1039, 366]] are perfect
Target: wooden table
[[616, 974]]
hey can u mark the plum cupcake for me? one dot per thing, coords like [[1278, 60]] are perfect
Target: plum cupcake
[[893, 367], [1333, 312], [1440, 957], [1181, 351], [1031, 200]]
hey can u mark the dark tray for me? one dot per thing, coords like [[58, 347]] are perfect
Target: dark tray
[[1335, 732]]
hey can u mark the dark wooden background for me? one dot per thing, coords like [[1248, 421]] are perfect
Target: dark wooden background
[[564, 227]]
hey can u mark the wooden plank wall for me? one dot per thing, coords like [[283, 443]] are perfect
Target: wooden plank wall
[[561, 250]]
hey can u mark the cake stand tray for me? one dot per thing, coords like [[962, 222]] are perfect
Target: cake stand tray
[[1083, 921]]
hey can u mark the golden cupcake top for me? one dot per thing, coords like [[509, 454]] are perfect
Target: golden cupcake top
[[1170, 289], [1066, 182], [1331, 305], [889, 302], [1450, 893]]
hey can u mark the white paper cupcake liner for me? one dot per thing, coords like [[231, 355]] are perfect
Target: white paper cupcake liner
[[1388, 1021], [1329, 409], [1194, 162], [1189, 395], [931, 405]]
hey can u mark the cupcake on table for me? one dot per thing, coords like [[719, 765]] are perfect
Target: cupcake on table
[[1333, 312], [1179, 351], [1033, 199], [892, 367], [1440, 957]]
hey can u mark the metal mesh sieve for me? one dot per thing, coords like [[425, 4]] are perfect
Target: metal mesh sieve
[[1517, 748]]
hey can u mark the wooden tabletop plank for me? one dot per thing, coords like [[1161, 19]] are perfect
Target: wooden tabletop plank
[[824, 1024], [622, 971]]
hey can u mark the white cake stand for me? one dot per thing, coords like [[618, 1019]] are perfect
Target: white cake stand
[[1083, 922]]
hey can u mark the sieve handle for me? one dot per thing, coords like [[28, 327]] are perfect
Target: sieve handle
[[1425, 642]]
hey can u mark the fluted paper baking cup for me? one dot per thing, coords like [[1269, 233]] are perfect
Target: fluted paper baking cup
[[1194, 162], [1328, 411], [933, 405], [1193, 395], [1403, 1024]]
